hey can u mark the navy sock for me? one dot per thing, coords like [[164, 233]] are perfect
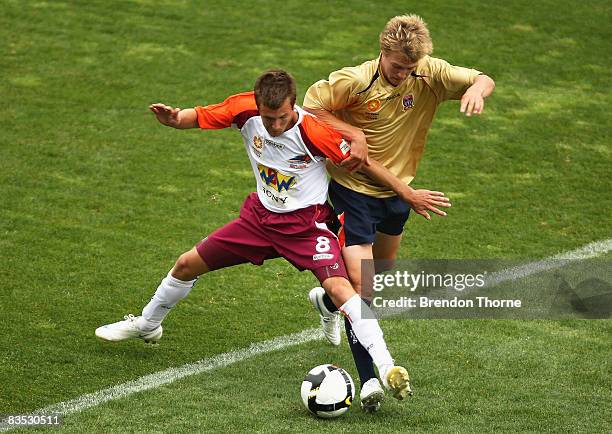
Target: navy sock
[[329, 304], [363, 361]]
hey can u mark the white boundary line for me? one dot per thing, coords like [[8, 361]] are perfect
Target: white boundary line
[[223, 360], [170, 375]]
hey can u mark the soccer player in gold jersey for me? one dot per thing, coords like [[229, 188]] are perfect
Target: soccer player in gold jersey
[[385, 108]]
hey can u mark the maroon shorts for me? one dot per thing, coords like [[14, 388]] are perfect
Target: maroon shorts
[[301, 237]]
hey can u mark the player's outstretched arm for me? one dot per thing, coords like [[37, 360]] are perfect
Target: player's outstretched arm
[[350, 133], [472, 101], [175, 117], [421, 201]]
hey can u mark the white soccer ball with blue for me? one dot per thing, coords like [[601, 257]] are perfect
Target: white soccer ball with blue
[[328, 391]]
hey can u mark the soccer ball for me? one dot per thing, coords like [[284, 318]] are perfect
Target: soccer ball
[[328, 391]]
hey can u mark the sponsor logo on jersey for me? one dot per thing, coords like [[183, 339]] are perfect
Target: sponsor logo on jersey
[[274, 144], [373, 105], [299, 161], [274, 197], [320, 256], [389, 98], [408, 101], [275, 179]]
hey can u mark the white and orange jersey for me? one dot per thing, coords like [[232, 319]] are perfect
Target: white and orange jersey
[[290, 168]]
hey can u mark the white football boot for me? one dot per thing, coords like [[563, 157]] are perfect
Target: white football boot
[[126, 329], [371, 395], [397, 381], [330, 321]]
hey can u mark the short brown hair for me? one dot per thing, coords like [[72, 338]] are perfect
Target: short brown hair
[[407, 34], [273, 87]]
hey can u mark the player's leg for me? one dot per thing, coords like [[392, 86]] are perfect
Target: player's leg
[[369, 334], [328, 312], [361, 270], [173, 288], [361, 217], [389, 233], [358, 260], [371, 391], [359, 265], [358, 230], [385, 250], [357, 214], [235, 243]]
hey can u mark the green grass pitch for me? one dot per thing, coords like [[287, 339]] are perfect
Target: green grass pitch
[[97, 200]]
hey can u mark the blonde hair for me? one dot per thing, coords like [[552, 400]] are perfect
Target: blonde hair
[[407, 34]]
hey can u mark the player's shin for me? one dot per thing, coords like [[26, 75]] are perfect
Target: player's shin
[[329, 304], [170, 291], [363, 361], [368, 331]]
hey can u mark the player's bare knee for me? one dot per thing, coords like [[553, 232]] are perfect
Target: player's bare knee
[[339, 290], [182, 268]]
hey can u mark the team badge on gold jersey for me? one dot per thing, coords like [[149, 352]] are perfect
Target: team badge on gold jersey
[[373, 105], [408, 101], [372, 108]]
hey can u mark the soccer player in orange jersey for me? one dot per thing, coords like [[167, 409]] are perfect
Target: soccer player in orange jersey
[[287, 216]]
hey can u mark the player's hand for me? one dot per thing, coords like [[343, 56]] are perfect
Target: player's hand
[[472, 102], [165, 114], [422, 201], [359, 154]]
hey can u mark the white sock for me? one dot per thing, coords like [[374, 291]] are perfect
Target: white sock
[[368, 332], [169, 292]]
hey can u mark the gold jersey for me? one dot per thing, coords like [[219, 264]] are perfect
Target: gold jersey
[[395, 120]]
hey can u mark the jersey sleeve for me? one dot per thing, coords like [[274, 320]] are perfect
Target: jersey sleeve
[[322, 140], [336, 93], [449, 81], [234, 111]]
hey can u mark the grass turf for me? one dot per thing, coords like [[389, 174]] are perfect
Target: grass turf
[[98, 200]]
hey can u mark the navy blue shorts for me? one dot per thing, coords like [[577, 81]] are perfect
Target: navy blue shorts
[[361, 216]]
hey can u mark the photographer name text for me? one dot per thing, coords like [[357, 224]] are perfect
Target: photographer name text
[[455, 302]]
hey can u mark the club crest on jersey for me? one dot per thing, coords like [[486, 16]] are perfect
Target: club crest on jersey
[[408, 101], [258, 145], [299, 161], [373, 105], [275, 179]]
